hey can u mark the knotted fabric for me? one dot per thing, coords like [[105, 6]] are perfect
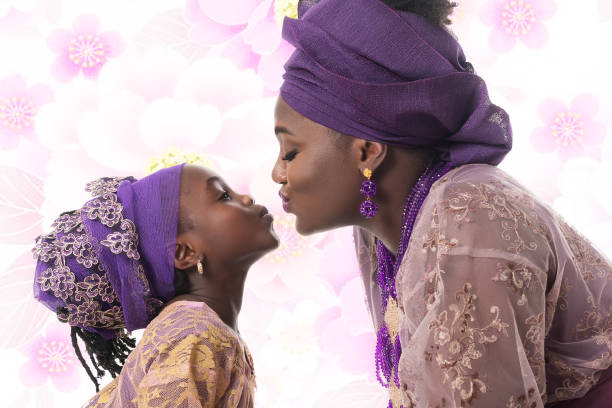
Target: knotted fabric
[[368, 71]]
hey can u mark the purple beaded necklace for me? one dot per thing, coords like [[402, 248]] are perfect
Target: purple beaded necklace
[[389, 349]]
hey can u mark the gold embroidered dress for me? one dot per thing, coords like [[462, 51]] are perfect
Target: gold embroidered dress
[[187, 358], [500, 302]]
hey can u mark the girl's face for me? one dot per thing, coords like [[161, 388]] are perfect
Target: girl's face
[[318, 171], [220, 222]]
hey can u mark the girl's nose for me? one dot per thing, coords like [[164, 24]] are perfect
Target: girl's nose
[[248, 200]]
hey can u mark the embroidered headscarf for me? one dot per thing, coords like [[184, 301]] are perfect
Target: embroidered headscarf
[[109, 266], [368, 71]]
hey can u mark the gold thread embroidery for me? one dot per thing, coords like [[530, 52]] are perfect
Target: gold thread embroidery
[[457, 343]]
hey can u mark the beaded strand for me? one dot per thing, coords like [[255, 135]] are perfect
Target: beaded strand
[[389, 350]]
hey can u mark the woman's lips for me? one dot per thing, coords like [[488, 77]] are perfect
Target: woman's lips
[[285, 201]]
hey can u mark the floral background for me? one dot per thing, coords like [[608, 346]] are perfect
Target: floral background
[[91, 88]]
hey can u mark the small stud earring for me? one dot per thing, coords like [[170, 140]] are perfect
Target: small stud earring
[[368, 188], [200, 268]]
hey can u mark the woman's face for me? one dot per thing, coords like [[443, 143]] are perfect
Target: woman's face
[[220, 222], [318, 171]]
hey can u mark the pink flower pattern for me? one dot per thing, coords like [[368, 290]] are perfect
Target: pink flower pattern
[[19, 105], [570, 130], [248, 31], [515, 20], [84, 49], [51, 356]]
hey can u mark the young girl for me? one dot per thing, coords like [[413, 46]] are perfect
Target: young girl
[[169, 252]]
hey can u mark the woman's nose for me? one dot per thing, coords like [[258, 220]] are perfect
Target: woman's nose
[[279, 173]]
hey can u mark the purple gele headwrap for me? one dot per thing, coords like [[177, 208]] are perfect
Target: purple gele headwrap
[[109, 266], [368, 71]]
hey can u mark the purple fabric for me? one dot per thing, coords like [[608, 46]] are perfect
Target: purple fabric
[[600, 396], [368, 71], [109, 266]]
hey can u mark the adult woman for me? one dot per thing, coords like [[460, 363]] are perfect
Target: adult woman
[[480, 294], [169, 252]]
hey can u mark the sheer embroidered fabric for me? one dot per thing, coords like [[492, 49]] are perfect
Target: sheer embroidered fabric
[[187, 358], [501, 302]]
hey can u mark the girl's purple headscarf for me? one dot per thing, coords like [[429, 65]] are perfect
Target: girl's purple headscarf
[[110, 265], [368, 71]]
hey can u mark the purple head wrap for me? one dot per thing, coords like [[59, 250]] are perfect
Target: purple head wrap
[[368, 71], [110, 265]]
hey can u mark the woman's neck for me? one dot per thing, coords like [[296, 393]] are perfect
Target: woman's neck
[[395, 179]]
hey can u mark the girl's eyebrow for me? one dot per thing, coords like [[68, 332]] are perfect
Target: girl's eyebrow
[[211, 181]]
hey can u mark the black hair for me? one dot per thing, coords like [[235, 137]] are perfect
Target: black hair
[[435, 11], [106, 355]]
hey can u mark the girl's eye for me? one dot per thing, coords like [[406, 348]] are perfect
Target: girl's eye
[[290, 156], [225, 196]]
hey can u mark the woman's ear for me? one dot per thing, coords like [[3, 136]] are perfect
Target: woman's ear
[[372, 154], [185, 257]]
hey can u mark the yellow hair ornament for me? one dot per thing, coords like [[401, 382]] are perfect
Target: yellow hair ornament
[[285, 8]]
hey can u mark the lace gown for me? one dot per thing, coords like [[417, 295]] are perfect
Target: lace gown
[[500, 302], [187, 358]]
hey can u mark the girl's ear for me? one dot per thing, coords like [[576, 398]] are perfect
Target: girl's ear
[[185, 257]]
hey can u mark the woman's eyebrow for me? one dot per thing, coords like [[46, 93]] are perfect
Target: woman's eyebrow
[[281, 129]]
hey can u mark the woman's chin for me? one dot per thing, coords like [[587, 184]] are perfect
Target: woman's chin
[[304, 227]]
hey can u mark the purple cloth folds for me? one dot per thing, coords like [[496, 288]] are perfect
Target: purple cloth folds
[[368, 71]]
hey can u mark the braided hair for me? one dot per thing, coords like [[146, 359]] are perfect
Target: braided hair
[[435, 11], [106, 355]]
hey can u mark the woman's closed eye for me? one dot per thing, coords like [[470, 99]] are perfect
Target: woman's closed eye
[[290, 156]]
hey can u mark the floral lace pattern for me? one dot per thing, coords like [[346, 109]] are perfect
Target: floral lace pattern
[[89, 300], [512, 209], [496, 292], [189, 358], [589, 262], [105, 185], [457, 343], [126, 242], [518, 277], [527, 400]]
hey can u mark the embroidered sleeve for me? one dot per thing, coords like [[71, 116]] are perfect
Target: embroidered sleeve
[[479, 341], [193, 372], [182, 361]]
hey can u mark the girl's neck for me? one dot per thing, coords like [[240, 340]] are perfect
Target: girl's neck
[[221, 291]]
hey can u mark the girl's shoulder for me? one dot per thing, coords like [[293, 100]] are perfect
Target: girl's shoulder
[[192, 321]]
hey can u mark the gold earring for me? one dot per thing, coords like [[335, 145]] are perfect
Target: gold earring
[[200, 268]]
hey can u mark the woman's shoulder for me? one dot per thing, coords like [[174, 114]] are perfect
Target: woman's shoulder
[[474, 175], [485, 187], [486, 206]]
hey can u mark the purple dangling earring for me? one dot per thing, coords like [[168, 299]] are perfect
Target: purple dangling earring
[[368, 188]]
